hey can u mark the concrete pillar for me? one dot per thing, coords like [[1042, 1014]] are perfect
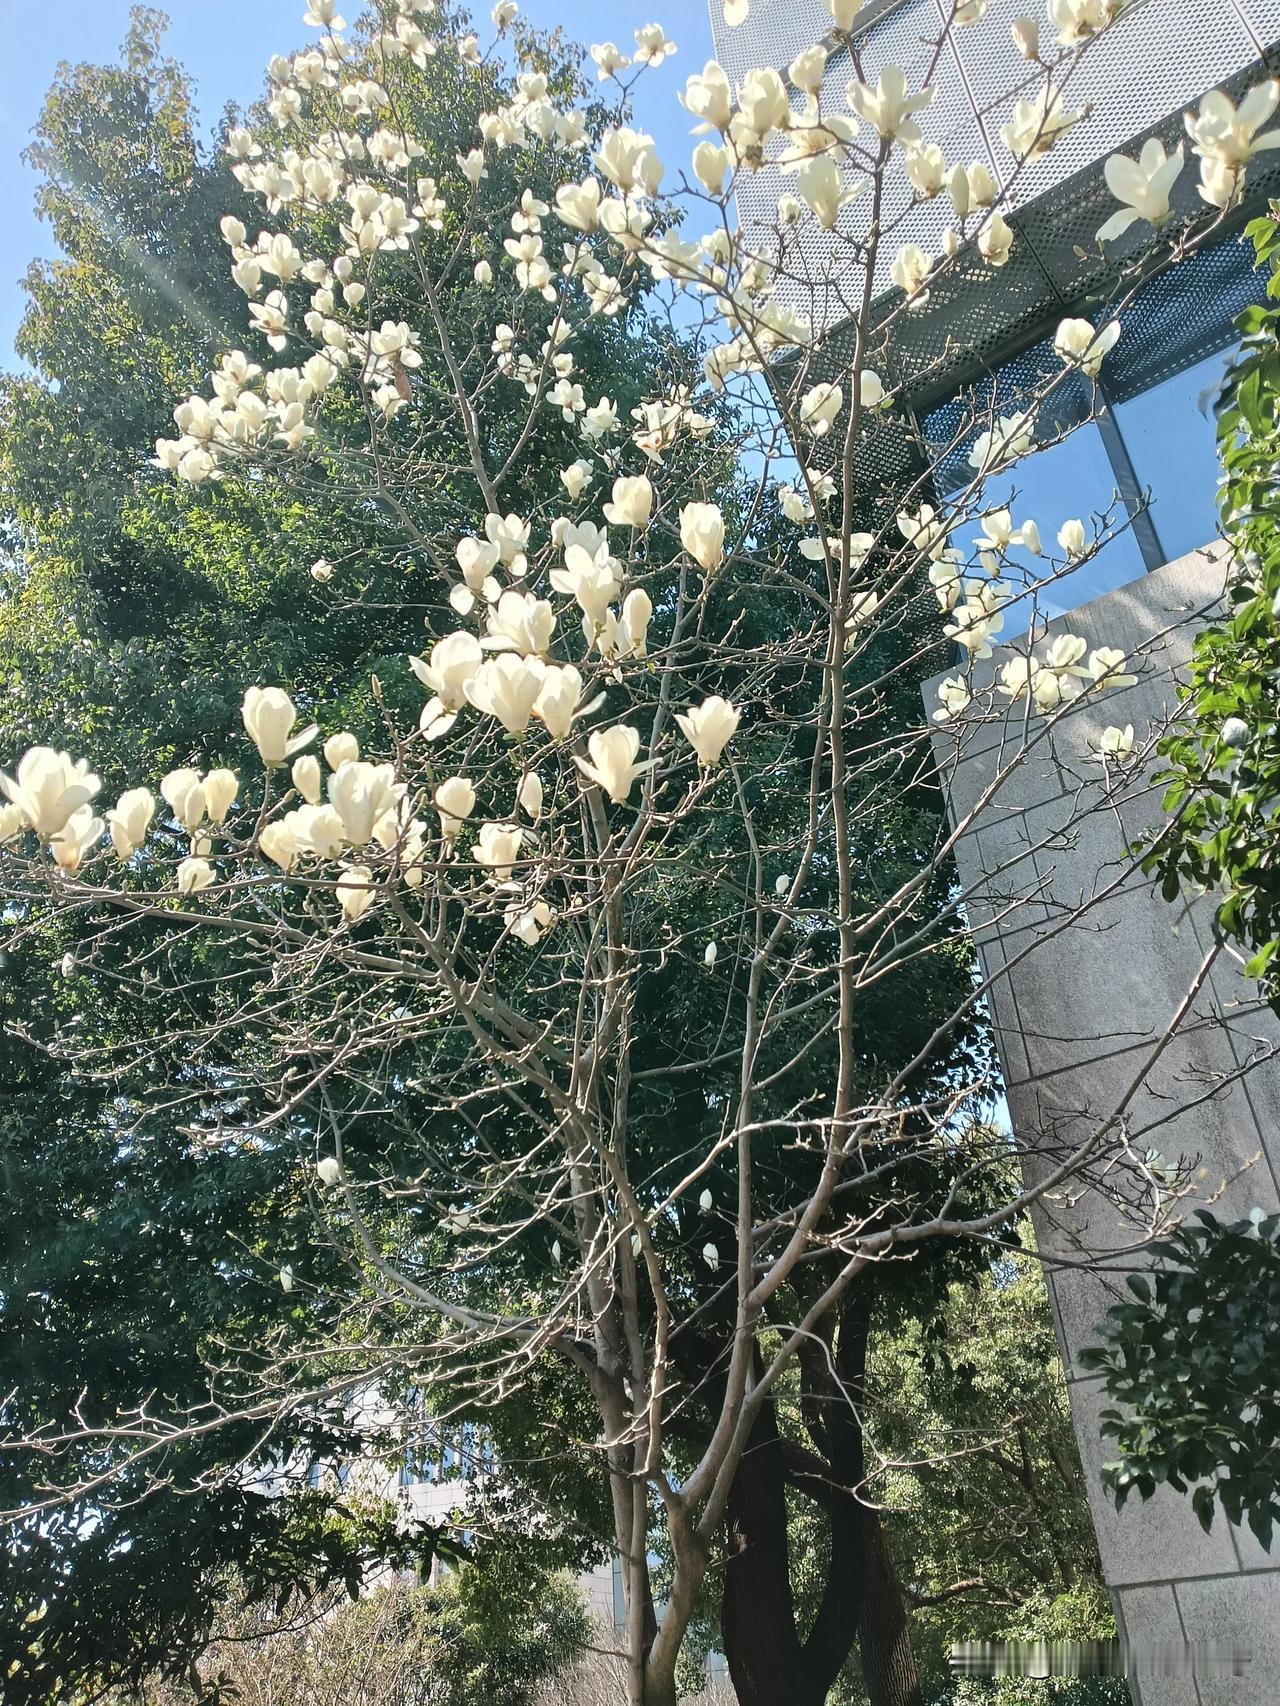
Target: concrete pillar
[[1078, 1011]]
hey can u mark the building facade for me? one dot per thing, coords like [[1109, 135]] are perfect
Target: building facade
[[1075, 1012]]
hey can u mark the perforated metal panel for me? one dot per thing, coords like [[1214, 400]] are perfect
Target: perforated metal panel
[[1136, 79]]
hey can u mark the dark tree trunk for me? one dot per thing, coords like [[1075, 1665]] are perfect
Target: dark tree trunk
[[768, 1662], [888, 1666], [757, 1611]]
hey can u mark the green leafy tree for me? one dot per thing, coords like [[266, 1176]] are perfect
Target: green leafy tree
[[1191, 1363], [1222, 760]]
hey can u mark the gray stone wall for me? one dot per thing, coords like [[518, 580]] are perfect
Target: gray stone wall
[[1078, 1010]]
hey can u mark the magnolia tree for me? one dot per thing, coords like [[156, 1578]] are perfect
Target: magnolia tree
[[651, 751]]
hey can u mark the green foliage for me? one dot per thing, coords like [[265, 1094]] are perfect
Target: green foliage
[[984, 1485], [1222, 759], [1194, 1361], [487, 1633]]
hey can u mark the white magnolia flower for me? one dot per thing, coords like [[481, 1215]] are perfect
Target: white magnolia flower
[[1107, 667], [632, 502], [630, 162], [709, 97], [529, 795], [1026, 37], [888, 107], [1116, 743], [702, 535], [48, 788], [824, 191], [971, 186], [999, 533], [1010, 437], [711, 1256], [129, 820], [506, 687], [454, 800], [193, 875], [520, 622], [711, 165], [362, 794], [974, 627], [910, 269], [1081, 344], [341, 749], [575, 477], [529, 924], [1037, 124], [926, 170], [613, 765], [1221, 184], [286, 1279], [1229, 134], [1143, 185], [709, 727], [328, 1171], [451, 666], [652, 46], [710, 954], [279, 844], [578, 205], [79, 834], [269, 715], [1071, 537], [807, 69], [995, 240], [820, 406], [705, 1202], [1077, 20], [355, 892], [306, 778], [497, 848], [220, 789], [953, 695], [609, 60], [558, 699]]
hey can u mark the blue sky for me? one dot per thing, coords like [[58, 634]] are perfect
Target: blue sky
[[226, 45]]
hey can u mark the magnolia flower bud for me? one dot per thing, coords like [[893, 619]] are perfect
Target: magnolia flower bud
[[455, 800], [574, 478], [702, 535], [1071, 537], [269, 715], [1026, 37], [709, 727], [328, 1171], [355, 892], [711, 1256], [613, 764], [341, 749], [306, 777], [632, 502], [529, 794], [194, 875], [705, 1201], [482, 272], [220, 788], [709, 954], [286, 1279], [781, 886]]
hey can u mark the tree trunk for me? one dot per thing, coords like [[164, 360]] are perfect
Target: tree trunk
[[757, 1612], [888, 1667]]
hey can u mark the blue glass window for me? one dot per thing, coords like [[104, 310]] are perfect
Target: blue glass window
[[1169, 432]]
